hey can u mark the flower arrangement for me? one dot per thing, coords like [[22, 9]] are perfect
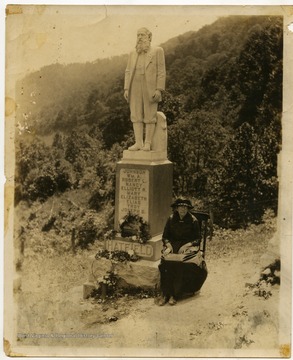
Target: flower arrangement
[[117, 255], [135, 228], [110, 234], [108, 283], [108, 289]]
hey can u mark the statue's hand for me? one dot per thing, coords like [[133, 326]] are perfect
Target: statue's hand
[[157, 96], [126, 95]]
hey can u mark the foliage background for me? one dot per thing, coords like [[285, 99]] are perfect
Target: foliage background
[[223, 105]]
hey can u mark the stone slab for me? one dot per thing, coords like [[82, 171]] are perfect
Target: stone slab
[[99, 268], [142, 273], [150, 251]]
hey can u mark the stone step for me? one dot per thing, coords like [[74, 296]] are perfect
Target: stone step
[[142, 273]]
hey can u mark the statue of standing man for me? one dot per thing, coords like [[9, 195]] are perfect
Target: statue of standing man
[[145, 78]]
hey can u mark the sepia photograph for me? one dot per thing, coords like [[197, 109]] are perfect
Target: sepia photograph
[[148, 194]]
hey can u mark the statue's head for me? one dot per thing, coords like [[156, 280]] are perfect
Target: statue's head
[[145, 31], [144, 38]]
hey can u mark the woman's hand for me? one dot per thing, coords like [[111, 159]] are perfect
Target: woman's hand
[[188, 247], [167, 249]]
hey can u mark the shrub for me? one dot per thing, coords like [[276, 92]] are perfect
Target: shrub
[[90, 229], [43, 187]]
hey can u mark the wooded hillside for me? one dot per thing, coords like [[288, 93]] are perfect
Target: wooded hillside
[[223, 105]]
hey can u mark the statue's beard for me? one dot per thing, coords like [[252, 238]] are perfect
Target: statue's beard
[[142, 45]]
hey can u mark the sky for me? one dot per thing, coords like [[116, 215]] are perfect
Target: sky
[[39, 35], [42, 35]]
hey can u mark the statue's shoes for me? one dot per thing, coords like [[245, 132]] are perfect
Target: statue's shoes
[[147, 147], [134, 147]]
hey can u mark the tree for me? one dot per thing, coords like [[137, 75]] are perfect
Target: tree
[[237, 186], [259, 69], [71, 147], [195, 144], [171, 107], [116, 125]]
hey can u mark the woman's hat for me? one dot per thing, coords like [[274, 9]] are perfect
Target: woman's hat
[[182, 202]]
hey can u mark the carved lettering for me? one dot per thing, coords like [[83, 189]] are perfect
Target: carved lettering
[[133, 192], [145, 250]]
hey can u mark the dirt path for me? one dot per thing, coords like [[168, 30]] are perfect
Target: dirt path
[[224, 315]]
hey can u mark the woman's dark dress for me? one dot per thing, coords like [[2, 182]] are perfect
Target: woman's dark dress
[[179, 277]]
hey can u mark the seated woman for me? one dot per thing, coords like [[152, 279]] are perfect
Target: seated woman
[[181, 235]]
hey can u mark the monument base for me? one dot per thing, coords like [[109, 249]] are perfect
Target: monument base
[[142, 273], [131, 157], [144, 189], [151, 250]]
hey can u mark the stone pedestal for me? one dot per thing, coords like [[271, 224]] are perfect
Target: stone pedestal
[[144, 181]]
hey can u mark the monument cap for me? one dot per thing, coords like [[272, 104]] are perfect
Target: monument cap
[[182, 202]]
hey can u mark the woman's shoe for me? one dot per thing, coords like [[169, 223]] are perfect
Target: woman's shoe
[[162, 301], [172, 301]]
